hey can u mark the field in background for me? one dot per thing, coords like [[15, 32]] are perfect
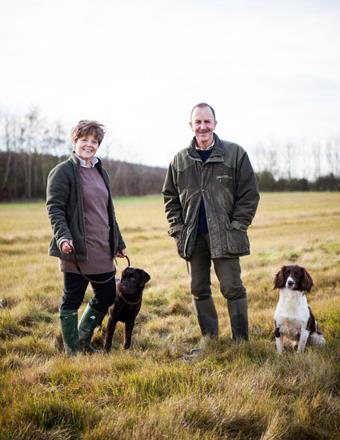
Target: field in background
[[233, 392]]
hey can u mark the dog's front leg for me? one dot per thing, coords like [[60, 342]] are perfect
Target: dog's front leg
[[278, 340], [110, 329], [128, 333], [303, 339]]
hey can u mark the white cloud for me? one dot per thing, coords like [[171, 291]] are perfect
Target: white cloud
[[270, 69]]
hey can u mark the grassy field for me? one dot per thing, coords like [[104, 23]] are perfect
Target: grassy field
[[233, 391]]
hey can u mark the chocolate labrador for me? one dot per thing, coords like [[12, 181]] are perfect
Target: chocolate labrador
[[129, 292]]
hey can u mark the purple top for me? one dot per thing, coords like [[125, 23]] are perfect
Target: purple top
[[97, 229]]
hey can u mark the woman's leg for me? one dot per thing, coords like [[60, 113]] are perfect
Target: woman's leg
[[104, 296], [74, 291]]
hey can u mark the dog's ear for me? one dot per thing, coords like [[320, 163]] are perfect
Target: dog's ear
[[144, 277], [125, 271], [307, 282], [279, 280]]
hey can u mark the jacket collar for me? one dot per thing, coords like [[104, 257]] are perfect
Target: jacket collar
[[73, 158], [217, 154]]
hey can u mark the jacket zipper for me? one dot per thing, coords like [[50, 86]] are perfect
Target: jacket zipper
[[189, 234], [196, 212]]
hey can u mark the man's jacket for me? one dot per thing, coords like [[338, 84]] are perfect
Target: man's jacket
[[227, 184], [64, 203]]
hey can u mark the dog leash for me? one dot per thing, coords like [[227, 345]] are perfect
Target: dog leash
[[75, 261]]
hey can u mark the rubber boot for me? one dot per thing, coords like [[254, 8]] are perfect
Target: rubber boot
[[69, 331], [207, 316], [238, 313], [89, 321]]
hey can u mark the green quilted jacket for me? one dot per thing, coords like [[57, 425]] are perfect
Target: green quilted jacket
[[227, 184], [65, 209]]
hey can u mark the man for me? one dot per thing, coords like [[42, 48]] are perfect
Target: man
[[211, 196]]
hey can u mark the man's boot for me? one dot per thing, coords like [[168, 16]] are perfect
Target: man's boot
[[89, 321], [207, 316], [238, 313], [69, 331]]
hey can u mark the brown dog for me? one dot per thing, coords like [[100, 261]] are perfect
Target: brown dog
[[127, 304]]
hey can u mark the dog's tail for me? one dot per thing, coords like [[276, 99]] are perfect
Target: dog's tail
[[316, 337]]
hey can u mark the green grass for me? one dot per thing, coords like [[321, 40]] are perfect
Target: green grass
[[236, 392]]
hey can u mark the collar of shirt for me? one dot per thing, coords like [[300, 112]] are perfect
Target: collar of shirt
[[205, 149], [93, 161]]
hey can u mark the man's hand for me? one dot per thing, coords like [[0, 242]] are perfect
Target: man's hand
[[121, 253], [67, 247]]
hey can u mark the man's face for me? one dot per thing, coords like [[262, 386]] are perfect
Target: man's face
[[203, 125]]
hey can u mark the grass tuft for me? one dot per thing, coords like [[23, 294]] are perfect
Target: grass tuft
[[155, 391]]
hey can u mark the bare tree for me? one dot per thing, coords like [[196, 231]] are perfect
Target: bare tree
[[288, 158]]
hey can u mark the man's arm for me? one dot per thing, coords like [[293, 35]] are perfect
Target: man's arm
[[246, 194], [172, 204]]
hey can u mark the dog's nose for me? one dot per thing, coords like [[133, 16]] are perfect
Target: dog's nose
[[290, 283]]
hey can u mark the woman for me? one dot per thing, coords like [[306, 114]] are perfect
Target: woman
[[85, 233]]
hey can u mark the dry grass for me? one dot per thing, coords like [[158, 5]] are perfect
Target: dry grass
[[237, 392]]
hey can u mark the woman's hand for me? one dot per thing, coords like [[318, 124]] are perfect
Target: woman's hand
[[67, 247], [121, 253]]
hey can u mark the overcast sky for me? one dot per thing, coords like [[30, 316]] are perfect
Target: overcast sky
[[271, 69]]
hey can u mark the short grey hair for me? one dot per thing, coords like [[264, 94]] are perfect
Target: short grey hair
[[201, 105]]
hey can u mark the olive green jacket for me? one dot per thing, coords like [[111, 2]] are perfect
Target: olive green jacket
[[227, 184], [64, 203]]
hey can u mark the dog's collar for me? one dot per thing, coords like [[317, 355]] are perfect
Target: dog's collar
[[130, 303]]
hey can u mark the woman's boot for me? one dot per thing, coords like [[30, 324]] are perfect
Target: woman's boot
[[89, 321], [69, 331]]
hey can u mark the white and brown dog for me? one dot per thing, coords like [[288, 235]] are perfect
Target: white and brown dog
[[295, 324]]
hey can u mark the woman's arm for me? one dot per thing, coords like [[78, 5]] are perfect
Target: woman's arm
[[57, 193]]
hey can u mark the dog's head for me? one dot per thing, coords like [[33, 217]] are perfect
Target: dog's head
[[293, 277], [133, 281]]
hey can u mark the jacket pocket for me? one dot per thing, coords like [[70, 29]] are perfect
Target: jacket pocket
[[237, 239], [177, 233], [179, 239]]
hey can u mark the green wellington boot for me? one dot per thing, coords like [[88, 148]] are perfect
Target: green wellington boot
[[69, 331], [207, 316], [238, 313], [89, 321]]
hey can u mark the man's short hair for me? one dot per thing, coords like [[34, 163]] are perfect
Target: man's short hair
[[85, 128], [201, 105]]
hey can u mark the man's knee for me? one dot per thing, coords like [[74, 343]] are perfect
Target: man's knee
[[201, 295], [234, 292]]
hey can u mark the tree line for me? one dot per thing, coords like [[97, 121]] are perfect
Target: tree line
[[24, 176], [31, 145], [267, 182]]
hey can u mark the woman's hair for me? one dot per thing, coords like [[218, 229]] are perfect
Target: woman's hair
[[85, 127]]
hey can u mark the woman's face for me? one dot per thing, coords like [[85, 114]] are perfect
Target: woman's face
[[86, 147]]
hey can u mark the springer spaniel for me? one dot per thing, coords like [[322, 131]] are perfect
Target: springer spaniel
[[295, 324]]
